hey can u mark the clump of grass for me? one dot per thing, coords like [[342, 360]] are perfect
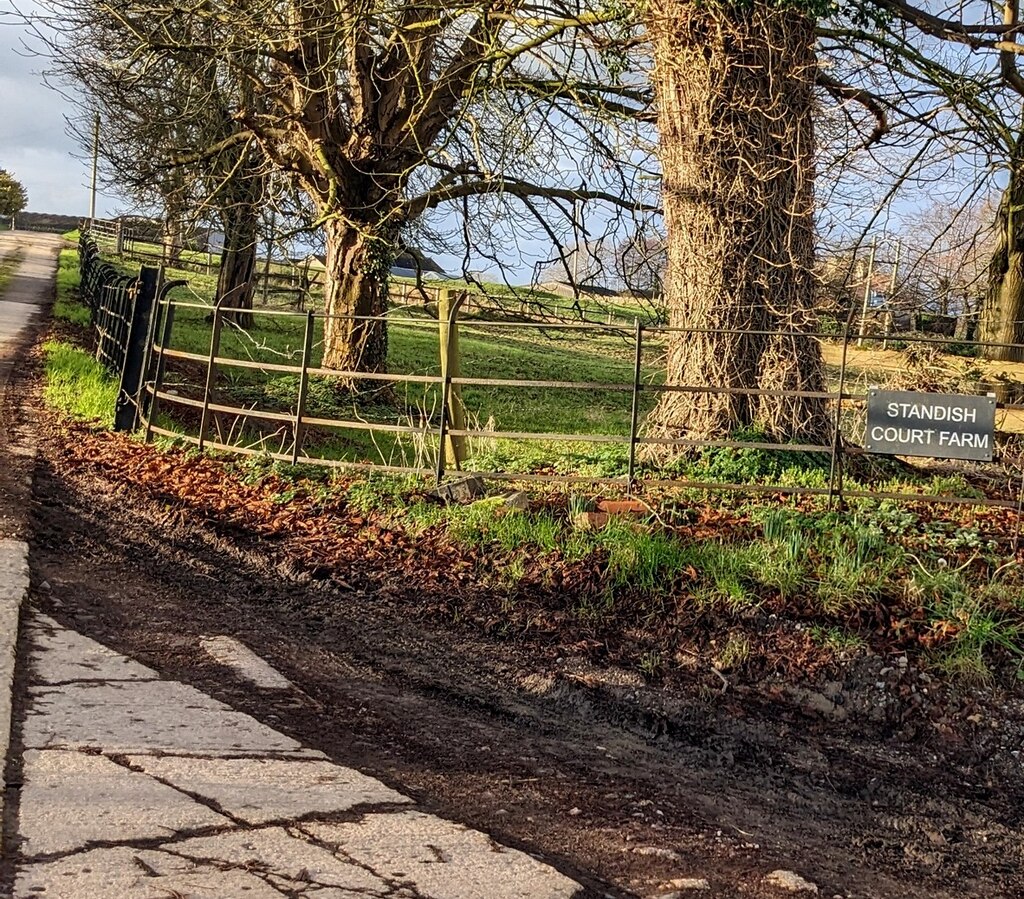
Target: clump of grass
[[638, 557], [77, 385], [490, 522], [837, 639], [969, 624], [735, 652]]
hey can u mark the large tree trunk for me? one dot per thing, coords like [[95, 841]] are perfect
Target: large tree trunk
[[355, 285], [734, 94], [238, 261], [1002, 315]]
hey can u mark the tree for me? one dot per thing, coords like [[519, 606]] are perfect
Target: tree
[[13, 197], [167, 140], [735, 98], [383, 112], [986, 87]]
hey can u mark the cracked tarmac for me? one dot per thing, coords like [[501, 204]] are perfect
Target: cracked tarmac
[[137, 787]]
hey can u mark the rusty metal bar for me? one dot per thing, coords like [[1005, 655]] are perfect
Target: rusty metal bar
[[211, 372], [634, 413], [300, 401]]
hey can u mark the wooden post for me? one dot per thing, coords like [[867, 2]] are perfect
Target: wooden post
[[161, 362], [867, 294], [447, 315], [634, 415]]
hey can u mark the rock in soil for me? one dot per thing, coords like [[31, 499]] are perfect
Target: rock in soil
[[791, 881], [464, 490]]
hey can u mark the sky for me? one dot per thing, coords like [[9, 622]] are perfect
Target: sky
[[34, 144]]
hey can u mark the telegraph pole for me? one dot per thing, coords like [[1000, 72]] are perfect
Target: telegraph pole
[[95, 166]]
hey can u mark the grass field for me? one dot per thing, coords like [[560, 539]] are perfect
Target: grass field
[[942, 573], [496, 349]]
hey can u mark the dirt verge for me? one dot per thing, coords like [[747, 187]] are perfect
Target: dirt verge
[[626, 787]]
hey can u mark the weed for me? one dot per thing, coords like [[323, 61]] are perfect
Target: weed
[[966, 626], [651, 663], [735, 652], [837, 639]]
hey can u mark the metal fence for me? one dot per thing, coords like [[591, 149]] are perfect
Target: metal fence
[[204, 407], [122, 311]]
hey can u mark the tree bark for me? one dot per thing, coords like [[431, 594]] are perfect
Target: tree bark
[[358, 262], [238, 261], [1002, 314], [734, 94]]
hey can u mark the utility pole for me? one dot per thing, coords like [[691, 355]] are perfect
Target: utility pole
[[95, 166], [867, 293]]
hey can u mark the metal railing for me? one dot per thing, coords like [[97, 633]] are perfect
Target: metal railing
[[290, 427]]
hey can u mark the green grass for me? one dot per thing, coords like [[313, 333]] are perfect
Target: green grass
[[68, 307], [77, 385]]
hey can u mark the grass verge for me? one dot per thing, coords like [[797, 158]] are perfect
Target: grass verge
[[77, 385]]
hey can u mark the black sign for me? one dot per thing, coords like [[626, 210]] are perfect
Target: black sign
[[943, 426]]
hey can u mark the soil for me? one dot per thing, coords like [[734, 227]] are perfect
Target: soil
[[624, 785]]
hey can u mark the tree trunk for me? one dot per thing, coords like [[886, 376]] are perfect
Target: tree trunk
[[1003, 309], [355, 285], [173, 238], [734, 94], [238, 261]]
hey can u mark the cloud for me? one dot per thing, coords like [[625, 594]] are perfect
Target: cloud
[[34, 143]]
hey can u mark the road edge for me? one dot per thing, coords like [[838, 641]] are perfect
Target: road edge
[[18, 453], [14, 586]]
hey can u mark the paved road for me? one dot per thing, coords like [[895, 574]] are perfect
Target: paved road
[[124, 785], [21, 303], [136, 787]]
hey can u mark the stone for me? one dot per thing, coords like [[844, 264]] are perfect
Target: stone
[[658, 852], [71, 799], [463, 490], [791, 881], [518, 501], [690, 883]]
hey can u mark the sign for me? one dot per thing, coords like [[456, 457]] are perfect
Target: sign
[[943, 426]]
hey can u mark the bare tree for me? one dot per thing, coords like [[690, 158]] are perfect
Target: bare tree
[[381, 113]]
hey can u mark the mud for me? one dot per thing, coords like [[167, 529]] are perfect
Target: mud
[[623, 786]]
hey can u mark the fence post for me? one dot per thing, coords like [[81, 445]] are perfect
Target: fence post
[[119, 239], [211, 372], [835, 474], [126, 413], [867, 293], [454, 447], [300, 405], [634, 415]]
